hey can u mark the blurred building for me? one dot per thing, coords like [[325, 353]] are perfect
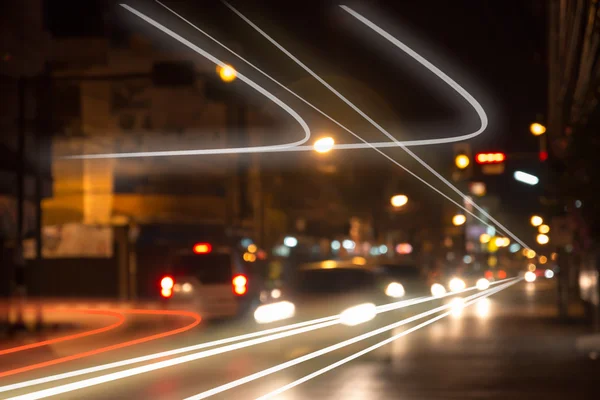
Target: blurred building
[[25, 125]]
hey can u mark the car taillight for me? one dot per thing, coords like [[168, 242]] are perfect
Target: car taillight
[[239, 284], [166, 286], [488, 275], [501, 274]]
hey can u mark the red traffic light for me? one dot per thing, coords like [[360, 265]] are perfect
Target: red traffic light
[[490, 158]]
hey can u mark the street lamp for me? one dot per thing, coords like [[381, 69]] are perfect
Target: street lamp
[[542, 239], [544, 229], [459, 219], [399, 200], [536, 220], [324, 145], [462, 161], [227, 73], [537, 129]]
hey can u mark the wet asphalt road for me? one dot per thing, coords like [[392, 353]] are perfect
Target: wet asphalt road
[[510, 347]]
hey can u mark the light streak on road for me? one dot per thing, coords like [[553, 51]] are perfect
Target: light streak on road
[[117, 346], [378, 345], [436, 71], [220, 63], [120, 320], [319, 323], [329, 349]]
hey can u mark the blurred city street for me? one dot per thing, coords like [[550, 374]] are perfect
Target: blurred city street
[[511, 346]]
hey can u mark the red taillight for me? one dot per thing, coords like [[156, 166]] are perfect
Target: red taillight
[[489, 275], [501, 274], [202, 248], [166, 286], [239, 284]]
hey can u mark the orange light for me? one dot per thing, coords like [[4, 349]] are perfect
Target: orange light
[[489, 275], [239, 284], [167, 283], [202, 248], [240, 290], [166, 293], [490, 158], [502, 274]]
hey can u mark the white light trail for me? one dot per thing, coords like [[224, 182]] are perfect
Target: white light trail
[[424, 62], [242, 77], [405, 48], [376, 346], [320, 322], [329, 349], [470, 99]]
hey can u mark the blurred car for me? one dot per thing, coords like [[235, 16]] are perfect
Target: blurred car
[[350, 288], [216, 280], [402, 279]]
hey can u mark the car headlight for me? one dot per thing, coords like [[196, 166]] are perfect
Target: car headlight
[[456, 284], [395, 290], [438, 290], [358, 314], [482, 284], [530, 276], [276, 293], [274, 312]]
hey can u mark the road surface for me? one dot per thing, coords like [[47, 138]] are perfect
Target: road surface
[[511, 348]]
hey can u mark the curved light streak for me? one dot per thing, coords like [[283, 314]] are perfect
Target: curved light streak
[[423, 142], [409, 51], [220, 63]]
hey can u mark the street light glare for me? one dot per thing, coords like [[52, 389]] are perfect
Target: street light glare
[[462, 161], [536, 220], [544, 229], [227, 73], [324, 145], [459, 219], [542, 239], [537, 129], [399, 200]]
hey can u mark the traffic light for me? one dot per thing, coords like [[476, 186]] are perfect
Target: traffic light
[[490, 158]]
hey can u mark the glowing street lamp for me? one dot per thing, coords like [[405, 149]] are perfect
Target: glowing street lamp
[[537, 129], [542, 239], [324, 145], [484, 238], [399, 200], [227, 73], [459, 219], [462, 161], [536, 220], [543, 229]]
